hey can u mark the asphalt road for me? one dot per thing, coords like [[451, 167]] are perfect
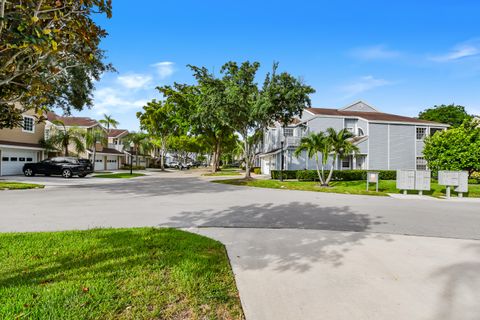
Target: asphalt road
[[295, 254], [187, 200]]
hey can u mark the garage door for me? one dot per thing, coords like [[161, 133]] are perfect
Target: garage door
[[112, 163], [13, 160], [99, 165]]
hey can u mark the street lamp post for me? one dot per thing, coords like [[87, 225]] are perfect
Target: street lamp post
[[131, 157], [282, 142]]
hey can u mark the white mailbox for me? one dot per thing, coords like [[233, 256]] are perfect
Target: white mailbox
[[423, 180], [406, 179], [457, 179]]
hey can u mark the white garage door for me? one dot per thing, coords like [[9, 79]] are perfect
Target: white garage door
[[14, 159], [112, 163], [99, 166]]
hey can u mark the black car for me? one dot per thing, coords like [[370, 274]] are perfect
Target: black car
[[67, 167]]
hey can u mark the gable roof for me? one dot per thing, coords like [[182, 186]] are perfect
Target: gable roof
[[73, 121], [359, 106], [370, 116], [114, 133]]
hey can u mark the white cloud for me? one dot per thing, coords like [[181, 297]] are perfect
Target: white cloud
[[362, 85], [111, 100], [378, 52], [134, 81], [164, 69], [460, 51]]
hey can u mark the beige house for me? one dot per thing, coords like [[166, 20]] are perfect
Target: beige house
[[21, 145], [109, 157]]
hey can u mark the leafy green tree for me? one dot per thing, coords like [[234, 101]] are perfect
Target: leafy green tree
[[315, 144], [92, 137], [454, 149], [202, 109], [252, 110], [108, 122], [141, 144], [161, 121], [49, 55], [451, 114], [330, 144], [62, 138], [340, 146]]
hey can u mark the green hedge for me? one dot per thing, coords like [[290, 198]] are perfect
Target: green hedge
[[257, 170], [287, 174], [338, 175]]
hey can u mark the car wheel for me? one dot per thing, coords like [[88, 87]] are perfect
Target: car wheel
[[28, 173], [66, 173]]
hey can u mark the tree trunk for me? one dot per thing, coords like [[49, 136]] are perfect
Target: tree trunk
[[66, 149], [320, 175], [331, 172], [247, 164]]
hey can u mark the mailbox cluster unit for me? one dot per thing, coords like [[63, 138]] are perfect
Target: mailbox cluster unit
[[414, 180], [457, 179]]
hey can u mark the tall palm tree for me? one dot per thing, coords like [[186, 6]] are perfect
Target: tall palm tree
[[108, 122], [313, 144], [141, 143], [63, 138], [93, 137], [341, 145]]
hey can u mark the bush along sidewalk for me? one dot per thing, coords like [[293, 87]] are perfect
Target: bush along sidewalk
[[338, 175]]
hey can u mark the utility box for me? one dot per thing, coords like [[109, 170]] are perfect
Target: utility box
[[457, 179], [414, 180], [423, 180], [406, 179]]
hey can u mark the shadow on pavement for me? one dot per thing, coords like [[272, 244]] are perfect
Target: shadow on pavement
[[461, 293], [286, 251]]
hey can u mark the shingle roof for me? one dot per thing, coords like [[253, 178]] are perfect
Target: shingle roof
[[113, 133], [371, 116], [73, 121]]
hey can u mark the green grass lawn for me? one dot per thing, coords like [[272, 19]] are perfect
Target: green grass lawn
[[121, 175], [140, 273], [5, 185], [346, 187]]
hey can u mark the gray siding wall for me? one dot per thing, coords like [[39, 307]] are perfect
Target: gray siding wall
[[363, 146], [419, 147], [363, 125], [378, 143], [402, 147], [321, 124]]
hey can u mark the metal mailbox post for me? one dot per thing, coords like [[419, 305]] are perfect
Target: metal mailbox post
[[458, 179]]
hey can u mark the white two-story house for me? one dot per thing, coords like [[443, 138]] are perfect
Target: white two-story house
[[385, 141]]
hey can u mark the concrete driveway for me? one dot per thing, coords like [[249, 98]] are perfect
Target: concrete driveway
[[295, 254]]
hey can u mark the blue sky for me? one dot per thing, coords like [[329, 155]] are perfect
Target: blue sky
[[400, 56]]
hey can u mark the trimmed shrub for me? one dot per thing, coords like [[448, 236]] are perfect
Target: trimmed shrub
[[345, 175], [287, 174], [257, 170]]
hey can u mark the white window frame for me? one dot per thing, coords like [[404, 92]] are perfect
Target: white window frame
[[424, 133], [290, 130], [423, 165], [33, 124]]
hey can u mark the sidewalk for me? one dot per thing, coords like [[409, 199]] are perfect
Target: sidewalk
[[307, 274]]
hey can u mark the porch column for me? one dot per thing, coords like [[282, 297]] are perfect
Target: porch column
[[354, 161]]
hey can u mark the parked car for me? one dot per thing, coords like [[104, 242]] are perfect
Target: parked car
[[67, 167]]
